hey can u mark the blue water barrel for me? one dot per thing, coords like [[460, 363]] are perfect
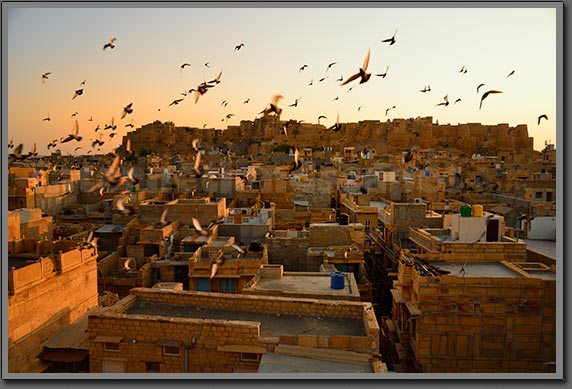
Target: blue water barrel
[[336, 280]]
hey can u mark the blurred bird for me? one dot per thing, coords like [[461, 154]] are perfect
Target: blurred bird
[[198, 227], [238, 47], [47, 118], [208, 65], [391, 40], [74, 135], [16, 155], [163, 218], [246, 101], [456, 101], [224, 103], [330, 65], [302, 68], [175, 102], [110, 44], [183, 66], [311, 82], [486, 94], [74, 114], [463, 69], [273, 106], [341, 78], [195, 145], [77, 93], [321, 117], [53, 143], [336, 126], [111, 126], [362, 74], [510, 74], [479, 87], [295, 103], [388, 109], [45, 76], [127, 110], [296, 164], [542, 117], [124, 208], [130, 124]]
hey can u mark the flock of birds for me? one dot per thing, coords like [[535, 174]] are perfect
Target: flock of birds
[[361, 75]]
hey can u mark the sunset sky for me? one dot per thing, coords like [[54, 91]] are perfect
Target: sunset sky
[[432, 45]]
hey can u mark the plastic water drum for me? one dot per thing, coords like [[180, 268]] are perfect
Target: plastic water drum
[[477, 210], [336, 280], [466, 210]]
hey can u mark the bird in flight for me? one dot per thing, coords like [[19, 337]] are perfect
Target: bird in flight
[[47, 118], [321, 117], [74, 135], [302, 68], [446, 103], [463, 69], [238, 47], [479, 87], [110, 44], [175, 102], [425, 89], [382, 75], [273, 107], [77, 93], [208, 65], [246, 101], [391, 40], [322, 79], [388, 109], [130, 124], [456, 101], [510, 74], [341, 78], [486, 94], [111, 126], [311, 82], [542, 117], [224, 103], [336, 126], [330, 65], [45, 76], [362, 74], [127, 110], [183, 66], [295, 103]]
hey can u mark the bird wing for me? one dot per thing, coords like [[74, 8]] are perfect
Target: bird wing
[[350, 79], [197, 225], [195, 143], [76, 128], [366, 60], [163, 218], [276, 98]]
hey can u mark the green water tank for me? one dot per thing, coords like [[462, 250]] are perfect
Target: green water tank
[[466, 210]]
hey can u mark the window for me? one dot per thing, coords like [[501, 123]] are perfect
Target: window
[[171, 350], [227, 285], [152, 367], [249, 357], [538, 195], [108, 346], [203, 285]]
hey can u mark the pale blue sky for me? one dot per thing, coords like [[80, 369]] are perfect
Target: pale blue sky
[[432, 45]]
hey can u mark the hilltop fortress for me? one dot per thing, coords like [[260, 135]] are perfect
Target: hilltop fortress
[[383, 137]]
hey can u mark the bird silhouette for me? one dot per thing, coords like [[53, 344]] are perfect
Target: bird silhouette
[[246, 101], [463, 69], [382, 75], [110, 44], [46, 119], [183, 66], [445, 103], [198, 227], [311, 82], [336, 126], [111, 126], [456, 101], [479, 87], [296, 163], [362, 74], [295, 103], [321, 117], [388, 109], [77, 93], [542, 117], [302, 68], [130, 124], [45, 76], [273, 106], [486, 94], [322, 79], [175, 102], [16, 155], [330, 65], [238, 47], [127, 110], [74, 135], [510, 74], [391, 40]]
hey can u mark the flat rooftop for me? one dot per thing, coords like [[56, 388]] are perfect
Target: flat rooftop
[[478, 269], [545, 247], [305, 283], [270, 324], [276, 363]]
